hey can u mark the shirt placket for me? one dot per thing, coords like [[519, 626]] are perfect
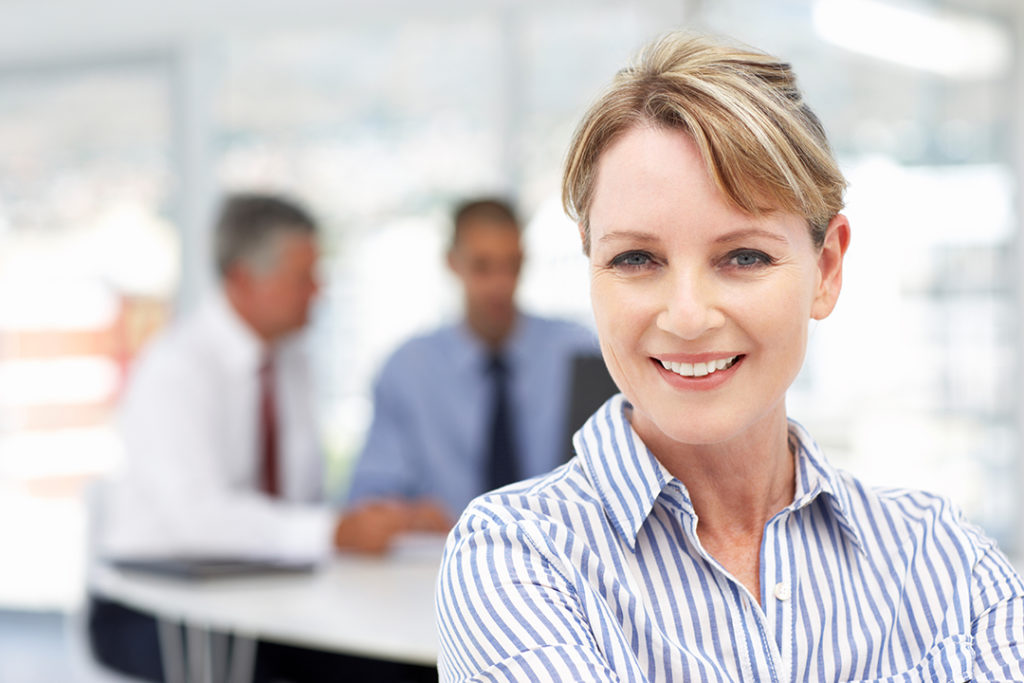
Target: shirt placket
[[778, 595], [761, 652]]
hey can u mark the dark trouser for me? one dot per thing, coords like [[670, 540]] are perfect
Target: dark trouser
[[126, 640]]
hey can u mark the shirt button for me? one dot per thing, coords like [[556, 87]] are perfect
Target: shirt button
[[782, 591]]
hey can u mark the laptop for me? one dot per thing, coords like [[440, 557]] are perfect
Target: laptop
[[210, 567], [590, 386]]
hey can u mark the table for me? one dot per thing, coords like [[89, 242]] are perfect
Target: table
[[382, 608]]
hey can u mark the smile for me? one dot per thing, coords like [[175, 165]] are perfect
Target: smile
[[699, 369]]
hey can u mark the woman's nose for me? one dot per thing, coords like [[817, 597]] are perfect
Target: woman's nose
[[690, 306]]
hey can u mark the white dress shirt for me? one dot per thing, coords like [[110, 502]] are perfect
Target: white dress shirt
[[596, 572], [190, 426]]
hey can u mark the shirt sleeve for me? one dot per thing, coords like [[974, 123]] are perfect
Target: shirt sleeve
[[385, 467], [506, 613], [998, 623], [176, 496]]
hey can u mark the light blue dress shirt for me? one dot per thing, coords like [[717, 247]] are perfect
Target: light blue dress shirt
[[433, 402], [596, 573]]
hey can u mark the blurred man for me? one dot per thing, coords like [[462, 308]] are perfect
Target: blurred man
[[222, 452], [469, 407]]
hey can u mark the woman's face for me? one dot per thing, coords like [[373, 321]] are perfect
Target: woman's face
[[702, 310]]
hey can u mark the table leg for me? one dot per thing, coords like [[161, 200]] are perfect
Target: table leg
[[220, 644], [205, 655], [198, 655], [172, 651], [243, 660]]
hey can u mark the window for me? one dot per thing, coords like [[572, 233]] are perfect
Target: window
[[88, 263]]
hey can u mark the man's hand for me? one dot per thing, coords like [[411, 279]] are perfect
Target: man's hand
[[371, 527], [428, 515]]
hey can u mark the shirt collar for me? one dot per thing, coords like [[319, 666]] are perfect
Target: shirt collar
[[815, 477], [628, 478], [241, 347], [471, 354]]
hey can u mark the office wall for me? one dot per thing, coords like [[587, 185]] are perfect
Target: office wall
[[121, 122]]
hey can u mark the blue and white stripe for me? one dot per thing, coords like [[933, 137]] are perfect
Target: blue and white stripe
[[595, 573]]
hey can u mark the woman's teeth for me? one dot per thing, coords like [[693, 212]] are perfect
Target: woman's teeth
[[699, 369]]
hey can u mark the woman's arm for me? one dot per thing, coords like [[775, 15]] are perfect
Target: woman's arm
[[998, 625], [506, 612]]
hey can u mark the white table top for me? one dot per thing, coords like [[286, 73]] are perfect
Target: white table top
[[374, 607]]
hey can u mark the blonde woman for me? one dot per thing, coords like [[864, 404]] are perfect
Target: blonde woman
[[700, 534]]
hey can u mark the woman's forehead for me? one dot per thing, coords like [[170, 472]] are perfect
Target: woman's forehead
[[649, 174], [653, 175]]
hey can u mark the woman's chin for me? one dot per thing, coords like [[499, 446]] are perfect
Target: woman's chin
[[666, 428], [664, 424]]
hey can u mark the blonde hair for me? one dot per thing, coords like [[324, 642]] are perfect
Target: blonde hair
[[762, 145]]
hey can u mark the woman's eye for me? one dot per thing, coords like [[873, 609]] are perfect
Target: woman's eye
[[747, 258], [632, 259]]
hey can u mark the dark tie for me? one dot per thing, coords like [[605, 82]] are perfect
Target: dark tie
[[268, 430], [502, 467]]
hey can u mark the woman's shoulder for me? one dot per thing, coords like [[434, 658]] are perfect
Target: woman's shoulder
[[560, 502], [555, 496], [912, 516], [886, 518]]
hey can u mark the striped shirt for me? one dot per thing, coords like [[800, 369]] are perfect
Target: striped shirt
[[595, 572]]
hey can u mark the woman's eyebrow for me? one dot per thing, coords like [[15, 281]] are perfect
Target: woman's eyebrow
[[637, 235], [735, 235], [747, 233]]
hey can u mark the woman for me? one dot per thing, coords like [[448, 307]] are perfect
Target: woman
[[699, 535]]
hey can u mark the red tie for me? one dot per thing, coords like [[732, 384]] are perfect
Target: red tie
[[268, 429]]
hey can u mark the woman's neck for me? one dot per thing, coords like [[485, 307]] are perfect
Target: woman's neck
[[735, 487]]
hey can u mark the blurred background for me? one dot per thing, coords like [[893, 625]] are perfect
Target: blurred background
[[123, 121]]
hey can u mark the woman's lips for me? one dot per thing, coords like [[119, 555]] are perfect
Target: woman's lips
[[699, 369], [706, 374]]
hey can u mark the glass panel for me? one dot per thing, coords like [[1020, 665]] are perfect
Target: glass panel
[[88, 263]]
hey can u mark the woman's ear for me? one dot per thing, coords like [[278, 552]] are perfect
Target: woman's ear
[[830, 266]]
